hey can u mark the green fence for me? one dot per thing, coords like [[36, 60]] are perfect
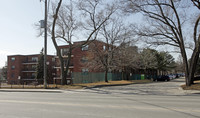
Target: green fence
[[79, 77]]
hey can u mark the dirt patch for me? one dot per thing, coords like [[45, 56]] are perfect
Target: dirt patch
[[77, 86], [123, 82], [195, 86]]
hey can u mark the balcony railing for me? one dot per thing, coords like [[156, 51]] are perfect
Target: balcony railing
[[29, 70], [70, 66], [65, 56], [28, 78], [30, 62]]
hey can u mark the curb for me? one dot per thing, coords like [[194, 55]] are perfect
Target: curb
[[100, 86], [31, 90]]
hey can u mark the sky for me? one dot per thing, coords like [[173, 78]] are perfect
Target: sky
[[18, 34]]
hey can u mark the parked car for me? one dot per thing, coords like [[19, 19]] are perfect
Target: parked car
[[196, 78], [162, 78], [181, 74], [172, 76]]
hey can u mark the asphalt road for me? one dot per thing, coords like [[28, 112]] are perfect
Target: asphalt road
[[133, 101], [156, 88]]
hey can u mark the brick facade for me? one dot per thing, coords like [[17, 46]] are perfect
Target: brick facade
[[22, 68]]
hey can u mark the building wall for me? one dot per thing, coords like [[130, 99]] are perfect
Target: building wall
[[79, 70], [23, 68], [14, 68]]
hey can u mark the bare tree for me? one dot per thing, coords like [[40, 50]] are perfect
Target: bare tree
[[148, 59], [127, 58], [179, 65], [108, 57], [166, 18], [196, 3], [64, 25], [165, 62]]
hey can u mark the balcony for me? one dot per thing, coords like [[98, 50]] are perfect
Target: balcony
[[30, 70], [65, 56], [71, 65], [30, 62], [28, 78]]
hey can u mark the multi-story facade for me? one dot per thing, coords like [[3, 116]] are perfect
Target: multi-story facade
[[79, 70], [22, 68]]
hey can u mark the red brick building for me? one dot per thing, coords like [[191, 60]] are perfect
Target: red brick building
[[22, 68], [81, 54]]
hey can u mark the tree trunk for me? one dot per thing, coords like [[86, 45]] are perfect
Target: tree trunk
[[68, 62], [62, 76], [186, 67], [54, 41], [106, 75], [193, 64], [195, 54]]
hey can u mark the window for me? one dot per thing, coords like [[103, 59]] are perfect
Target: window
[[34, 67], [12, 75], [34, 59], [110, 49], [104, 47], [33, 75], [12, 67], [85, 71], [84, 47], [13, 59], [64, 51], [84, 59], [53, 59]]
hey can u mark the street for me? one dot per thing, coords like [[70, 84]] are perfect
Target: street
[[153, 100]]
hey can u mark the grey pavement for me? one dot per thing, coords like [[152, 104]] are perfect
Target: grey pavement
[[132, 101], [156, 88], [32, 90]]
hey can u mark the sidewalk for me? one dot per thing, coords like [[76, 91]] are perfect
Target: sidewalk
[[32, 90], [181, 91]]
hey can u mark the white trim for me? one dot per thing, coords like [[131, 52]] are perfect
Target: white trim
[[64, 67]]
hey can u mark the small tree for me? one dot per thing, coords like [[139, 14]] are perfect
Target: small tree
[[165, 61], [148, 59], [3, 73], [40, 66]]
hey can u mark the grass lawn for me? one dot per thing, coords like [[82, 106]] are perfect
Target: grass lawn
[[122, 82], [77, 86]]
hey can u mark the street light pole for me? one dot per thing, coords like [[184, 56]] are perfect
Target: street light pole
[[45, 46]]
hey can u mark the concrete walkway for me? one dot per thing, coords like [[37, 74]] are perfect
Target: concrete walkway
[[32, 90]]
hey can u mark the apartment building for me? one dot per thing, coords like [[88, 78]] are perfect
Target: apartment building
[[79, 70], [22, 68]]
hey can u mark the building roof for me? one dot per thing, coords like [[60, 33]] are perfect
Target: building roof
[[28, 55]]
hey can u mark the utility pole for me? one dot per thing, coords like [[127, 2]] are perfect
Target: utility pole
[[45, 46]]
